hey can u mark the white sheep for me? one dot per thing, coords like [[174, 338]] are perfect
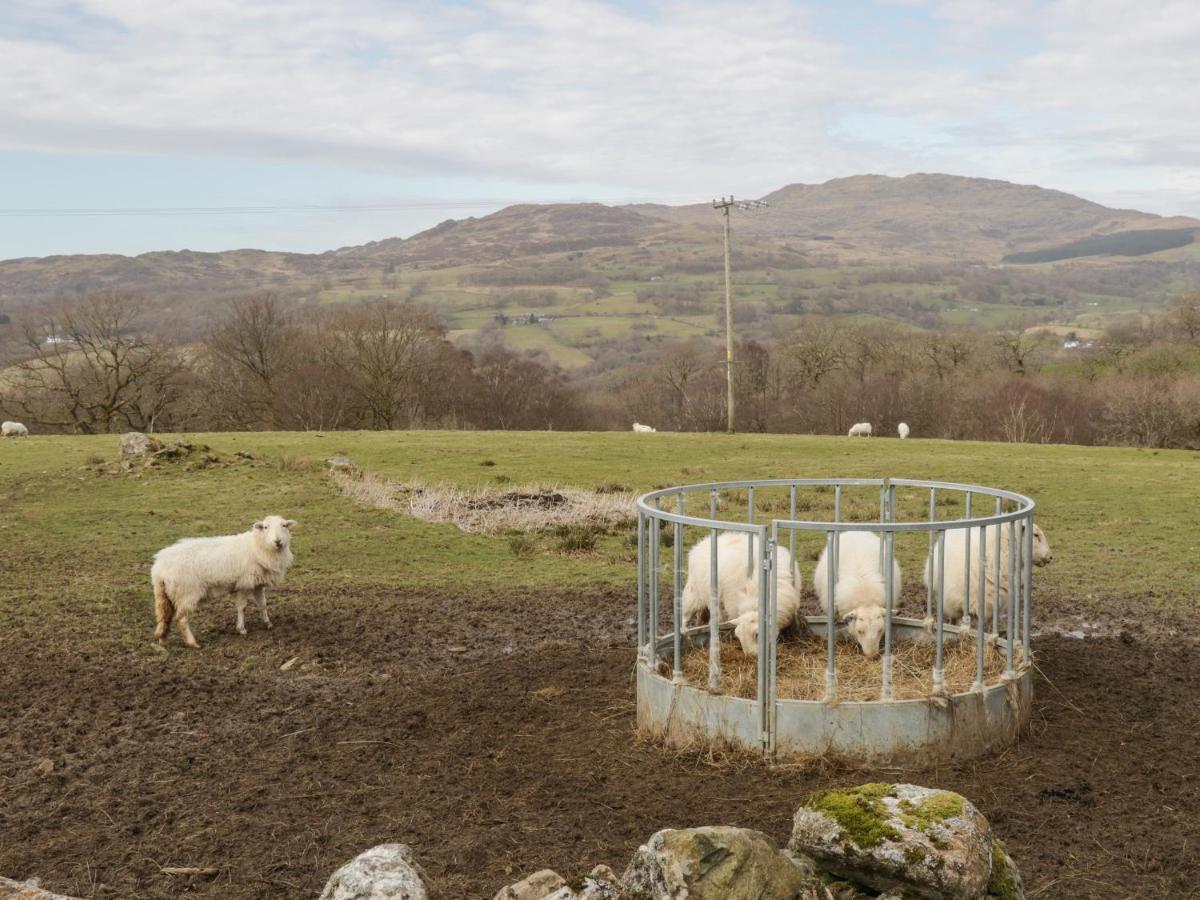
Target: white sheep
[[859, 593], [737, 587], [953, 602], [643, 429], [14, 429], [195, 569], [859, 429], [902, 428]]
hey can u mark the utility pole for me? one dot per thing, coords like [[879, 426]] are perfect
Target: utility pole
[[726, 206]]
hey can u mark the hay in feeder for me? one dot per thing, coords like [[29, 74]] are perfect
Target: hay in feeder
[[800, 667]]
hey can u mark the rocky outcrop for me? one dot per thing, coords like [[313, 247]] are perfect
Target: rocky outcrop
[[717, 863], [871, 842], [914, 840], [386, 872]]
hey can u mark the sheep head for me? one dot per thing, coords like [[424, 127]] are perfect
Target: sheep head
[[1042, 554], [745, 629], [274, 532], [866, 625]]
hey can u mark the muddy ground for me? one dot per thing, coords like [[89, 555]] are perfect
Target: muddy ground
[[495, 735]]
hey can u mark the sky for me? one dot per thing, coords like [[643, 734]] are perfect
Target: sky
[[135, 125]]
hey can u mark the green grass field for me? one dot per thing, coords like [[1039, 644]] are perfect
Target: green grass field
[[1122, 522]]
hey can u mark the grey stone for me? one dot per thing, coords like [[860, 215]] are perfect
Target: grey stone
[[913, 840], [340, 463], [538, 886], [386, 872], [134, 443], [717, 863], [27, 890]]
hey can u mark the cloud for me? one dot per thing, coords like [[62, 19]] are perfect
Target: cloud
[[677, 98]]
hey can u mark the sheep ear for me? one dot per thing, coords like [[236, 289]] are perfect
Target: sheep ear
[[848, 618], [289, 523], [261, 526]]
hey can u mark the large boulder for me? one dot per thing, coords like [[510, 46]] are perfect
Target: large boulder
[[27, 890], [134, 443], [913, 840], [386, 872], [538, 886], [599, 884], [717, 863]]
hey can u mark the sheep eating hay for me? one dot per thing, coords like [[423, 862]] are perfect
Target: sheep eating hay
[[737, 587], [859, 590], [14, 429], [195, 569]]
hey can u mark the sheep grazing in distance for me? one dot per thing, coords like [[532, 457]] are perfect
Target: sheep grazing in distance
[[859, 592], [14, 429], [902, 429], [643, 429], [237, 565], [737, 587], [859, 429], [956, 539]]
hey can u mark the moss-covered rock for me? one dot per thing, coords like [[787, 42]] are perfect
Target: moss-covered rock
[[914, 840], [1005, 883], [717, 863]]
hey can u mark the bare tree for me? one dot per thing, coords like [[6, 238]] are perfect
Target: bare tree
[[253, 350], [1183, 313], [1018, 348], [90, 368]]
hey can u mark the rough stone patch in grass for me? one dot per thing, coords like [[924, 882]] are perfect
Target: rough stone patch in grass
[[489, 509]]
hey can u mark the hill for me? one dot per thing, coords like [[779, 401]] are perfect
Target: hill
[[581, 281]]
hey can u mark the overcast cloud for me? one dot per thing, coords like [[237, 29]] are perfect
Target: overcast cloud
[[670, 101]]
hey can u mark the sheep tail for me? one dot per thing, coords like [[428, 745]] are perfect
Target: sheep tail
[[164, 610]]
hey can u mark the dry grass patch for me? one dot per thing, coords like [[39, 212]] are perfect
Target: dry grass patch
[[490, 509], [801, 669]]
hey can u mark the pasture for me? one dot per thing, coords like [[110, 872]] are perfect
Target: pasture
[[477, 703]]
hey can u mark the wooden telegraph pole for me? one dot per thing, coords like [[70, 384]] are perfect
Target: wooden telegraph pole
[[726, 206]]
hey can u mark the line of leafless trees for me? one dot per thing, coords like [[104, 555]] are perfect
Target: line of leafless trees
[[90, 367], [263, 363]]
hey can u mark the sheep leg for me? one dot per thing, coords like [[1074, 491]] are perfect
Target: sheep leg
[[260, 595], [185, 632], [241, 611]]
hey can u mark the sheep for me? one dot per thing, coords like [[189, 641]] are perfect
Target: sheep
[[859, 592], [196, 569], [859, 429], [902, 428], [737, 587], [14, 429], [643, 429], [952, 603]]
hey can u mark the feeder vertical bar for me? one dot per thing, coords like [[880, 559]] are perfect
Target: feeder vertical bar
[[1010, 594], [883, 489], [982, 601], [714, 603], [837, 517], [965, 621], [641, 586], [771, 642], [764, 612], [677, 616], [929, 590], [750, 536], [996, 573], [655, 564], [890, 593], [1027, 646], [792, 537], [939, 683], [831, 547]]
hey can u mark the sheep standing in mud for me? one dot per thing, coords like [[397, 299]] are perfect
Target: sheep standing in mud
[[737, 587], [237, 565], [859, 590]]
